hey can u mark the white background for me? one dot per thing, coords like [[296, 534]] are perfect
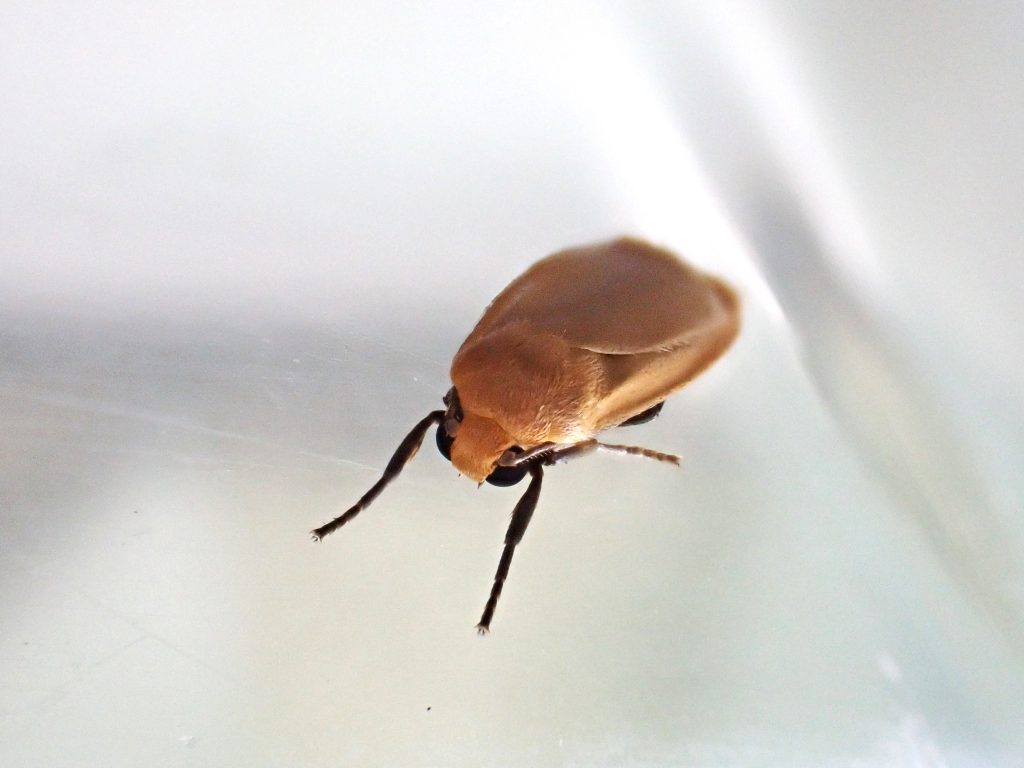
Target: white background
[[239, 244]]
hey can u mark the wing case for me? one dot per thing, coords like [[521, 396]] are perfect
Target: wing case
[[590, 336]]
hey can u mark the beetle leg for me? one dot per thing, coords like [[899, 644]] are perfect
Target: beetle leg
[[635, 450], [406, 450], [511, 459], [520, 519], [549, 453], [566, 452], [571, 451]]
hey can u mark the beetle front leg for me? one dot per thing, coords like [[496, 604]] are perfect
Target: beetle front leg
[[566, 452], [520, 519], [636, 450]]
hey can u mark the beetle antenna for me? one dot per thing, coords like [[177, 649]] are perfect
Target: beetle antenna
[[406, 450], [520, 519]]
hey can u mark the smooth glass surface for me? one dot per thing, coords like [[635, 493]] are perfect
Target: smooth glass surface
[[238, 247]]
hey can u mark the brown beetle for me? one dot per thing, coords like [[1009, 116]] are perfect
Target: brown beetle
[[586, 339]]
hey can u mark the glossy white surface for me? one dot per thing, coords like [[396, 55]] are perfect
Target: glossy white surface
[[238, 249]]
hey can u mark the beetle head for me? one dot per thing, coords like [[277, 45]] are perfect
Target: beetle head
[[474, 443]]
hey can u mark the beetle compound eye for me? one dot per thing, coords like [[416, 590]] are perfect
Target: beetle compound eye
[[506, 476], [444, 441]]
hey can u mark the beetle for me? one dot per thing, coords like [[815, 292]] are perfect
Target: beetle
[[589, 338]]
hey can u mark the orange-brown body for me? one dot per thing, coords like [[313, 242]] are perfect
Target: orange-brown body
[[586, 339], [582, 341]]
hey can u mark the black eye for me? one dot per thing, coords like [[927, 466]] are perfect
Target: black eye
[[444, 441], [506, 476]]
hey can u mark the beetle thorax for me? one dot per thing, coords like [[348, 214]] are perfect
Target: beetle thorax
[[533, 386]]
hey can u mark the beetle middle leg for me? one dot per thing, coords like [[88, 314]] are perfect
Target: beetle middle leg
[[520, 519]]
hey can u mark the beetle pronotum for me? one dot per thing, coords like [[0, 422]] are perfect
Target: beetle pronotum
[[586, 339]]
